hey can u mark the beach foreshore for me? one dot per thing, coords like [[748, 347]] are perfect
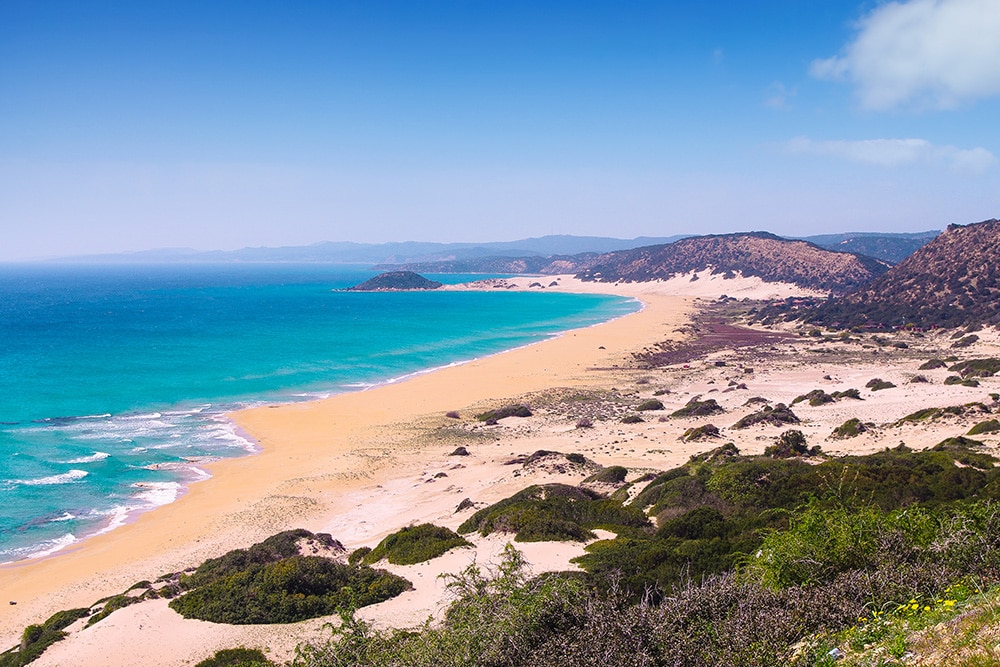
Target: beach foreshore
[[312, 456]]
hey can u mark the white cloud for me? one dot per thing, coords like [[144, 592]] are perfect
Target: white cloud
[[936, 53], [898, 152]]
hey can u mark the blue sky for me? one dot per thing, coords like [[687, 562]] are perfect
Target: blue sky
[[135, 125]]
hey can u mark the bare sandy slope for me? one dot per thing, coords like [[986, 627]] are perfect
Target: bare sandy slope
[[360, 466]]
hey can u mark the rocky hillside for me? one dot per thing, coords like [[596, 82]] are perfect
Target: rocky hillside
[[893, 248], [396, 280], [952, 281], [760, 254]]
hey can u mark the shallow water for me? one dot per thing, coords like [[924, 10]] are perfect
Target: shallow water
[[114, 381]]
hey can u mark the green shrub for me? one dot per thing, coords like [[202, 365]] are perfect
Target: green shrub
[[415, 544], [358, 555], [37, 638], [700, 433], [788, 444], [778, 415], [878, 384], [274, 548], [848, 393], [556, 512], [504, 412], [237, 657], [815, 397], [851, 428], [696, 408], [609, 475], [977, 368], [932, 364], [632, 419], [966, 341], [288, 590], [650, 404], [989, 426]]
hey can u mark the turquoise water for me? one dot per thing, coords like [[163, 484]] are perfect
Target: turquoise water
[[114, 381]]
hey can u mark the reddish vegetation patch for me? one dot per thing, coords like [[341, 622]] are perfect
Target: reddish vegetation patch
[[712, 336]]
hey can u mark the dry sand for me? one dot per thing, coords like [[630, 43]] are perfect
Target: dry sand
[[362, 465]]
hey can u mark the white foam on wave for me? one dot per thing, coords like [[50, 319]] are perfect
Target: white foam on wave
[[49, 547], [157, 493], [93, 458], [66, 516], [64, 478]]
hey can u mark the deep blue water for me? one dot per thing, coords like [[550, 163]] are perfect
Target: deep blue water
[[114, 380]]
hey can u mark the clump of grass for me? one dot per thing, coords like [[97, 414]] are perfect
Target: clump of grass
[[851, 428], [919, 379], [989, 426], [415, 544], [703, 432], [696, 408], [848, 393], [778, 415], [632, 419], [650, 404], [504, 412], [878, 384], [932, 364]]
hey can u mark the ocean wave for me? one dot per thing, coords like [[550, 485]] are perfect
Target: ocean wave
[[64, 478], [40, 550], [66, 516], [93, 458], [157, 493]]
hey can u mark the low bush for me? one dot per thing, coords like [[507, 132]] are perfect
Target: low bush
[[415, 544], [778, 415], [696, 408], [556, 512], [650, 404], [584, 422], [989, 426], [237, 657], [977, 368], [609, 475], [966, 341], [700, 433], [851, 428], [878, 384], [36, 638], [504, 412], [788, 444], [632, 419], [288, 590], [932, 364], [815, 397]]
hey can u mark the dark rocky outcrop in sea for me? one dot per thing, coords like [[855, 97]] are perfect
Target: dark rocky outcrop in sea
[[396, 281]]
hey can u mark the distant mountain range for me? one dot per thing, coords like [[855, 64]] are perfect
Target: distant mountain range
[[387, 253], [952, 281], [487, 257]]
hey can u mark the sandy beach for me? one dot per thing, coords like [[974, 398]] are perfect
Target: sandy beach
[[362, 465]]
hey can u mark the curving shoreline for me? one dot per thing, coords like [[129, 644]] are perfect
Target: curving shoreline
[[321, 451]]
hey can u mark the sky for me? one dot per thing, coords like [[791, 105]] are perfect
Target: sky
[[129, 125]]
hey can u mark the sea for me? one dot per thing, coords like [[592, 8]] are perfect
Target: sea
[[115, 380]]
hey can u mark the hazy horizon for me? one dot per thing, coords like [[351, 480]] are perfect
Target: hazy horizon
[[137, 126]]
